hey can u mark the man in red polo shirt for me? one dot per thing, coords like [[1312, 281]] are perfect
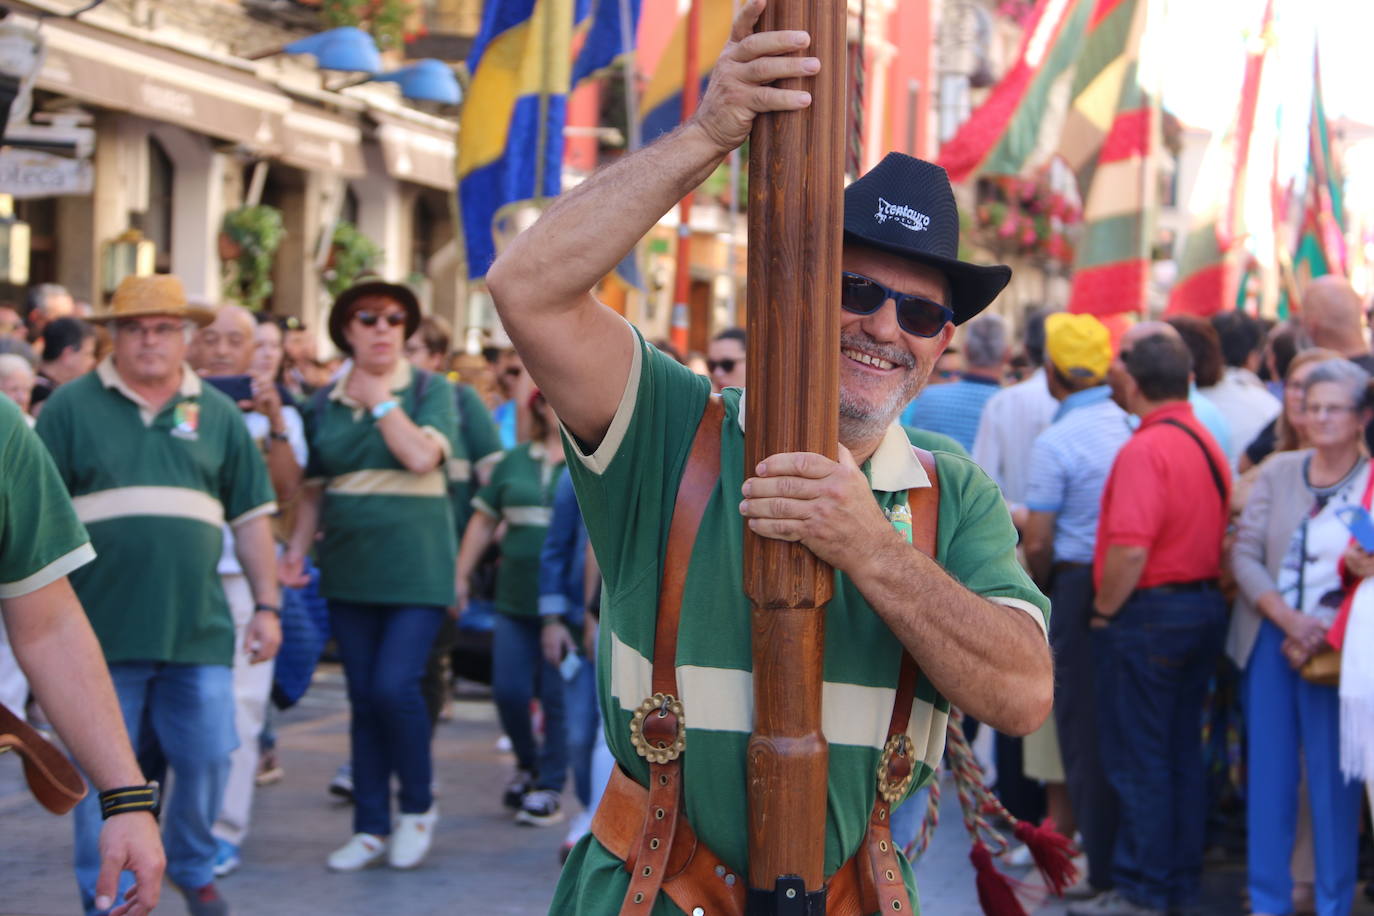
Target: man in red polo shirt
[[1159, 625]]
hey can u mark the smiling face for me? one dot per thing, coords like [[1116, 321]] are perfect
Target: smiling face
[[881, 366]]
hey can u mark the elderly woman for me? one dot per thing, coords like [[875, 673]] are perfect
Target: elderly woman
[[520, 496], [1287, 563], [1285, 433], [375, 487]]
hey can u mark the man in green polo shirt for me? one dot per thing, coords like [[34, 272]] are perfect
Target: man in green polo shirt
[[971, 618], [155, 463], [41, 542]]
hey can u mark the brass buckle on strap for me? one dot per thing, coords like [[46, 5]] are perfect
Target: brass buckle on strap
[[896, 769], [648, 743]]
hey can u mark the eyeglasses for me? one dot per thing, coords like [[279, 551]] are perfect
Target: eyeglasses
[[369, 319], [915, 314], [512, 371], [724, 365], [161, 329], [1327, 410]]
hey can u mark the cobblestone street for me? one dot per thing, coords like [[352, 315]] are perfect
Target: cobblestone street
[[482, 863]]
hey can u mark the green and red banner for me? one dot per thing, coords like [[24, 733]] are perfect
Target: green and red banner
[[1115, 174], [1209, 266]]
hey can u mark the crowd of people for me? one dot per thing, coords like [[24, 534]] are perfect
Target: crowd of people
[[202, 504], [1185, 495]]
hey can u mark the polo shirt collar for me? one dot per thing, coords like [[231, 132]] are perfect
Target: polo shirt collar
[[1085, 398], [1176, 410], [399, 381], [894, 466], [109, 377]]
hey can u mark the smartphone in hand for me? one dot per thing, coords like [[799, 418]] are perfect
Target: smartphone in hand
[[1357, 519]]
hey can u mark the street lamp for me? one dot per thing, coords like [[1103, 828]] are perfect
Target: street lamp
[[345, 48], [426, 80], [14, 244], [128, 254]]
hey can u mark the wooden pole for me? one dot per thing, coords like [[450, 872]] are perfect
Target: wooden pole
[[796, 210], [682, 278]]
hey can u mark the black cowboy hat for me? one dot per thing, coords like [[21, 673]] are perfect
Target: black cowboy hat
[[401, 294], [905, 206]]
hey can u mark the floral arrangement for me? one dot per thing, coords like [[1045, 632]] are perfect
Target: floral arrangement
[[1026, 216]]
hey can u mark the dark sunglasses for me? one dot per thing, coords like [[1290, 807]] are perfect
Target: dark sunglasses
[[369, 319], [724, 365], [915, 314]]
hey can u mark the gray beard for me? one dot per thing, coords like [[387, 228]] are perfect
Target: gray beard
[[858, 419]]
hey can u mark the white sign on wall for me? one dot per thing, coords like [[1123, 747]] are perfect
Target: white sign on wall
[[28, 174]]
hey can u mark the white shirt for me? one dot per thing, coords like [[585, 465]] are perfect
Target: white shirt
[[258, 427], [1011, 420], [1247, 406]]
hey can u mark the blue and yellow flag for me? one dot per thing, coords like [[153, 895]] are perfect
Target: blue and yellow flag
[[662, 101], [510, 141], [611, 32]]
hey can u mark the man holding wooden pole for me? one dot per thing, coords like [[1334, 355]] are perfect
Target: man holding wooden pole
[[662, 480]]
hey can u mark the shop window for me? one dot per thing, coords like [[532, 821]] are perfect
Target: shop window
[[157, 224]]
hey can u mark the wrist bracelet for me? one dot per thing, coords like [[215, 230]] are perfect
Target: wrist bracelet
[[269, 608], [131, 798], [278, 437], [384, 408]]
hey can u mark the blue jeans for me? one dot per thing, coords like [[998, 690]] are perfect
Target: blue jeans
[[518, 671], [1286, 715], [190, 708], [1154, 662], [384, 649], [583, 720]]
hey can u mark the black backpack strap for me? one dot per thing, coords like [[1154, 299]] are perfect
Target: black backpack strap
[[1211, 465]]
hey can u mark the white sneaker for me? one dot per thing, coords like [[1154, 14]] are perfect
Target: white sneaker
[[361, 850], [411, 839]]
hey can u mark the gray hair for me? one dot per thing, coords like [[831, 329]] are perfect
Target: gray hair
[[1340, 372], [985, 342], [11, 363]]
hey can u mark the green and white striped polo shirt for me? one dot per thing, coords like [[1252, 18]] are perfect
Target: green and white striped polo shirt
[[520, 493], [154, 488], [388, 532], [476, 447], [627, 490], [41, 539]]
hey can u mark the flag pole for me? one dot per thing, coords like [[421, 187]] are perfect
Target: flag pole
[[627, 54], [682, 278], [796, 217]]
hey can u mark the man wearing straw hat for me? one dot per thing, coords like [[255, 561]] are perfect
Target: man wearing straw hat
[[156, 463]]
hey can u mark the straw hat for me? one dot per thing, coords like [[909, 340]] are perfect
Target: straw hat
[[146, 297]]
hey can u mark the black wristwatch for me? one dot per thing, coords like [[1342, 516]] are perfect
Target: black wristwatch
[[131, 798], [270, 608], [278, 437]]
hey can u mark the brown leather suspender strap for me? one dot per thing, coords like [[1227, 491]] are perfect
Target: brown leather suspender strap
[[52, 778], [664, 854], [881, 884], [659, 730]]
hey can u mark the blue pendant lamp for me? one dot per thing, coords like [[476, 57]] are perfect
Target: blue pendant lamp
[[346, 48], [427, 80]]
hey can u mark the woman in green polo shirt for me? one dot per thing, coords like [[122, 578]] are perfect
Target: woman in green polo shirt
[[520, 496], [376, 489]]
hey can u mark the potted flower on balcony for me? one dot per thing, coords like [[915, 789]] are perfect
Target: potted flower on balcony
[[248, 241]]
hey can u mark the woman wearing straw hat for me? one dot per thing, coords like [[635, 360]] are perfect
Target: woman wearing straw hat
[[375, 488]]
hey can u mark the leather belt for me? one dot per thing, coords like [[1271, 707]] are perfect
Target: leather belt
[[1179, 588], [696, 879]]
